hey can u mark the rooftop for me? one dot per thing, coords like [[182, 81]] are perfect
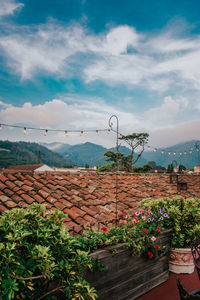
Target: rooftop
[[88, 198]]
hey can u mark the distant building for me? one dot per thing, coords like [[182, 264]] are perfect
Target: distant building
[[197, 169], [31, 168]]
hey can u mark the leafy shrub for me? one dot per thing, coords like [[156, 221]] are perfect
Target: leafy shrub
[[37, 256], [184, 218]]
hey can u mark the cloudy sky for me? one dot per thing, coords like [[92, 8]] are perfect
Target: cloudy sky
[[71, 64]]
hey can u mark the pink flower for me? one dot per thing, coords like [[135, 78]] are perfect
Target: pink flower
[[149, 211], [157, 246], [150, 254], [134, 221], [140, 210], [153, 238], [144, 217], [105, 229], [125, 216], [145, 231], [121, 222]]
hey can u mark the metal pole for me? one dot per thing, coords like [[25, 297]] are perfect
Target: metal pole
[[117, 161]]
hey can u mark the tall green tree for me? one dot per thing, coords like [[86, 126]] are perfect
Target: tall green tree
[[126, 162], [135, 141]]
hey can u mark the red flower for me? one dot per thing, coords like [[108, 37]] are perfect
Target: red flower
[[158, 229], [157, 246], [145, 231], [150, 254], [134, 215], [105, 229]]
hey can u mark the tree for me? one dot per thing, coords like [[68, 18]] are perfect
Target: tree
[[126, 162], [144, 169], [170, 168], [181, 168], [134, 140], [39, 158]]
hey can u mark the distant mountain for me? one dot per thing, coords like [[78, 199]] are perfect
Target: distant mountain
[[59, 154], [17, 153], [57, 147], [89, 153], [189, 160]]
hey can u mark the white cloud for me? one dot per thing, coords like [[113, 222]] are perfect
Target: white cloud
[[118, 56], [79, 113], [8, 7], [176, 134], [166, 114], [68, 114]]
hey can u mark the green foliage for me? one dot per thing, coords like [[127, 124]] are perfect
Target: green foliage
[[181, 168], [105, 168], [184, 218], [36, 251], [144, 169], [170, 168], [139, 232]]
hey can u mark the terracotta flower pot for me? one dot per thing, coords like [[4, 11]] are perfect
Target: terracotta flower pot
[[181, 261]]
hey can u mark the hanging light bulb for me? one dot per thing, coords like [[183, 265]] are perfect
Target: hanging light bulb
[[174, 153], [169, 153], [46, 131], [25, 130], [197, 149], [185, 152], [162, 152], [190, 152], [0, 126], [97, 131], [180, 153], [108, 131], [148, 147], [66, 132], [81, 133], [155, 149]]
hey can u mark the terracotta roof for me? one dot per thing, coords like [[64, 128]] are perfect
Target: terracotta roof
[[25, 167], [87, 198]]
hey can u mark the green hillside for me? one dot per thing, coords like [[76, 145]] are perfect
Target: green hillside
[[18, 153]]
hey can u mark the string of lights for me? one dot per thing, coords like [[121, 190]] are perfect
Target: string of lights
[[108, 130], [174, 153], [47, 130]]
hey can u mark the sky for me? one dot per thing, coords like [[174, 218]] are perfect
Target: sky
[[72, 64]]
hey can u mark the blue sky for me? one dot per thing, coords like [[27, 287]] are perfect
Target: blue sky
[[71, 64]]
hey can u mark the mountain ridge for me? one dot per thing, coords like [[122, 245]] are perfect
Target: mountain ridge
[[95, 154]]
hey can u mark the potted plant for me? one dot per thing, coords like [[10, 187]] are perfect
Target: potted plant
[[184, 219]]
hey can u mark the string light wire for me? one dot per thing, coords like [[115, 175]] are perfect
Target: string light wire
[[54, 130], [97, 131]]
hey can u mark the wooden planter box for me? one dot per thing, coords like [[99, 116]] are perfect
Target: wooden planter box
[[127, 277]]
